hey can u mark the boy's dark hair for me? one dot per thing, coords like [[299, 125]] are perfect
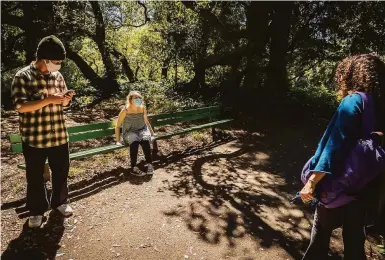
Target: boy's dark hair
[[51, 48]]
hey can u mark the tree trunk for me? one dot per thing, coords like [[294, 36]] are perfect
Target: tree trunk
[[31, 38], [257, 27], [199, 80], [37, 24], [165, 66], [200, 70], [100, 39], [230, 86], [176, 67], [136, 72], [86, 69], [277, 82], [126, 67]]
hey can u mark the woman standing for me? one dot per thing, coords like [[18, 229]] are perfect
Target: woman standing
[[137, 131], [360, 73]]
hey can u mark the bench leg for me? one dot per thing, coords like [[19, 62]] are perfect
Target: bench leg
[[214, 134], [47, 173], [155, 149]]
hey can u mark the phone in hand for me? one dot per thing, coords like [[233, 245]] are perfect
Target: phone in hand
[[68, 93]]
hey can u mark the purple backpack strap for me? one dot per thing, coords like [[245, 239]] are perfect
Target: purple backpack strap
[[368, 115]]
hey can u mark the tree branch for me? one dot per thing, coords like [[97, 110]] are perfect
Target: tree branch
[[146, 18], [300, 32], [126, 67], [100, 30], [212, 19], [121, 23], [86, 69], [226, 58]]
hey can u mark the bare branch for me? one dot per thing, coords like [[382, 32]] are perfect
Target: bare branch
[[126, 67], [118, 22], [212, 19], [300, 33], [100, 26], [147, 19]]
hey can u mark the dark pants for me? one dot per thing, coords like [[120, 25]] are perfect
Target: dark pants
[[58, 159], [134, 147], [380, 221], [352, 219]]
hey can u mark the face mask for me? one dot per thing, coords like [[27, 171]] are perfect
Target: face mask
[[138, 102], [51, 67]]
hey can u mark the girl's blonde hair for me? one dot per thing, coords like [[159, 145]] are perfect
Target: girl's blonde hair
[[130, 97]]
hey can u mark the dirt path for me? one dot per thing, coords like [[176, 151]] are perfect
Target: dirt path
[[224, 200], [172, 216]]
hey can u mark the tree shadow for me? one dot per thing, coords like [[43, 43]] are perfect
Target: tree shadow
[[40, 243], [107, 179], [235, 193]]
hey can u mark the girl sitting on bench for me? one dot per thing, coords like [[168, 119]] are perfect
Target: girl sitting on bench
[[136, 131]]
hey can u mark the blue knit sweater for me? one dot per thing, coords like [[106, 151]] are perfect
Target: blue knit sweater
[[340, 136]]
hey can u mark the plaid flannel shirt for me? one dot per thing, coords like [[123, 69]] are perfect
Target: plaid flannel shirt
[[45, 127]]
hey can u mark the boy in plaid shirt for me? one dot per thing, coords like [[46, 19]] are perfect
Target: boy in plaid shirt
[[39, 93]]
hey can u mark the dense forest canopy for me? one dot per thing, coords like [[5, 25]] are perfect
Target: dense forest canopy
[[205, 50]]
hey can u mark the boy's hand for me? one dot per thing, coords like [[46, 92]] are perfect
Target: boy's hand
[[55, 99], [69, 94]]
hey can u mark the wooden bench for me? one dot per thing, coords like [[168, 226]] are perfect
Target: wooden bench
[[107, 129]]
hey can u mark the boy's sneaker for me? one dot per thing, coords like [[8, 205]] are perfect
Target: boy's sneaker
[[150, 169], [35, 221], [137, 172], [65, 210]]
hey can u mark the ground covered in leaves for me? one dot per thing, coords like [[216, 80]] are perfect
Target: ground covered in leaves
[[223, 199]]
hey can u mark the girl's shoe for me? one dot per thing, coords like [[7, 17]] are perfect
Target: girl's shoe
[[137, 172], [150, 169]]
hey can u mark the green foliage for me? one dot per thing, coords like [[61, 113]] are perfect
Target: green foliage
[[75, 81], [89, 52], [314, 99], [142, 47], [160, 47], [159, 97]]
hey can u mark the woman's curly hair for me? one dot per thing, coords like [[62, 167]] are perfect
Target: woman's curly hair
[[364, 72]]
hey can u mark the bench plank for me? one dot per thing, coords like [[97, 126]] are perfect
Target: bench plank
[[15, 138], [194, 128], [92, 135], [107, 129], [114, 147], [169, 121], [185, 113], [91, 127], [74, 138]]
